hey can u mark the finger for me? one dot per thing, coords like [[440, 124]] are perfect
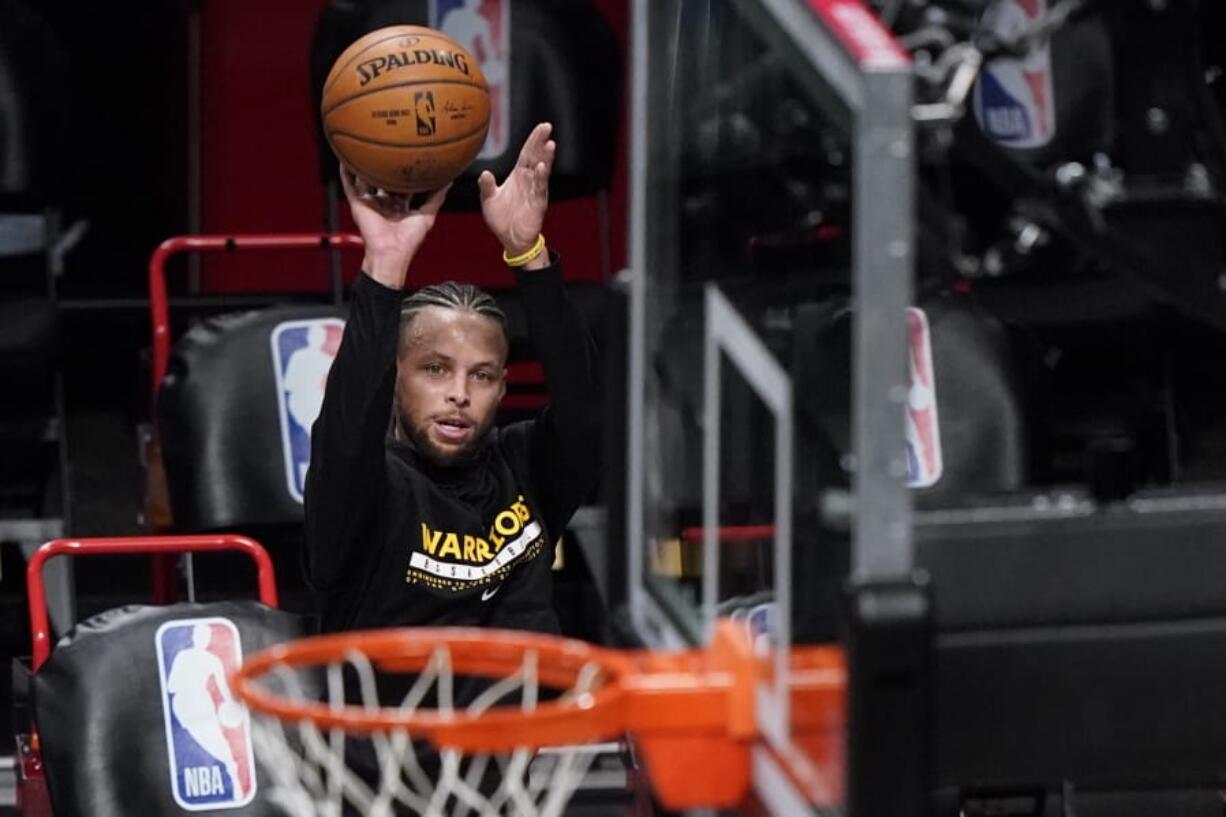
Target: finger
[[551, 151], [365, 190], [534, 145], [540, 181], [347, 183], [486, 184], [395, 202]]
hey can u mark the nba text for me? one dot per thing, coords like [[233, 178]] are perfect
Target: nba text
[[203, 781]]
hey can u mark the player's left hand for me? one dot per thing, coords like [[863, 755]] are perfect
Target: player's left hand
[[515, 210]]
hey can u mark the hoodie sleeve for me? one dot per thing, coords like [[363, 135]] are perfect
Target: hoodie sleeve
[[564, 441], [347, 479]]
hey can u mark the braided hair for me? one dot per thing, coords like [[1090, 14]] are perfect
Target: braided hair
[[451, 295]]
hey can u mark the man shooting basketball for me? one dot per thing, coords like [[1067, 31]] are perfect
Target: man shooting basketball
[[448, 520]]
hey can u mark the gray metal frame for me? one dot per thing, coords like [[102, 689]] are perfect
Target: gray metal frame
[[728, 334], [878, 97], [882, 269], [875, 93]]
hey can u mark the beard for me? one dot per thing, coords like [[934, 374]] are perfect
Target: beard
[[419, 438]]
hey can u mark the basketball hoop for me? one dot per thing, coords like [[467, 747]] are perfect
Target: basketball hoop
[[691, 715]]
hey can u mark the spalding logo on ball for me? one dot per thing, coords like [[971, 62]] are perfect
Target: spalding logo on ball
[[406, 108]]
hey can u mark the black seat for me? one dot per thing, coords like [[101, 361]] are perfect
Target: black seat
[[231, 427], [112, 738]]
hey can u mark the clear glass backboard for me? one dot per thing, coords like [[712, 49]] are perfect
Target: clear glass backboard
[[771, 261]]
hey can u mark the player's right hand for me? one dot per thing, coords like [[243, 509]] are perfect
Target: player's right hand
[[392, 228]]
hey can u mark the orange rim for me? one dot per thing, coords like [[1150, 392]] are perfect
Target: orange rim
[[696, 697], [691, 712], [491, 653]]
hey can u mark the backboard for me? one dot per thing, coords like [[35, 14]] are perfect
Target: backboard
[[771, 258]]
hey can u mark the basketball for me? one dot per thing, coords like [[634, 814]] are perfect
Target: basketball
[[406, 108]]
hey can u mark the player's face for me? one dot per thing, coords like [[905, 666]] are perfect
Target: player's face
[[451, 373]]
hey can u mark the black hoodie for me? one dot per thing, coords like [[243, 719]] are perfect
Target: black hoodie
[[395, 540]]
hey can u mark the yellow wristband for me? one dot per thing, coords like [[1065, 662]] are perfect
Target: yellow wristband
[[527, 257]]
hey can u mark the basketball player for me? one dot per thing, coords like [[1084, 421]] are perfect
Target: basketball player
[[447, 520]]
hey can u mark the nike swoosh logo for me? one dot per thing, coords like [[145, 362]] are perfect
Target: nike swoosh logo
[[486, 595]]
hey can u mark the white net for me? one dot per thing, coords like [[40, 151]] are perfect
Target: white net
[[318, 772]]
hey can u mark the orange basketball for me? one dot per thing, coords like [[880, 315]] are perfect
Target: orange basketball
[[406, 108]]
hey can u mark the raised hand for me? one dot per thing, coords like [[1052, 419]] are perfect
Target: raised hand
[[391, 227], [515, 210]]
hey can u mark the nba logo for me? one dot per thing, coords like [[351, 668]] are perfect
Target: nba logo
[[762, 626], [302, 353], [208, 737], [483, 28], [923, 433], [423, 104], [1014, 102]]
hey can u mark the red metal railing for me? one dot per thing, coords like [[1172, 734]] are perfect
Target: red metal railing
[[158, 300], [869, 42], [40, 629], [731, 533]]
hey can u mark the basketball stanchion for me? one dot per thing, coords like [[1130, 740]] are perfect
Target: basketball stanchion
[[691, 716]]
